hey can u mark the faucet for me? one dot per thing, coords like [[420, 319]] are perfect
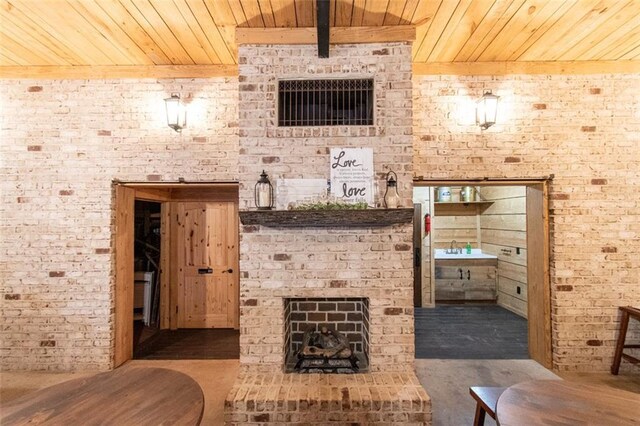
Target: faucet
[[454, 250]]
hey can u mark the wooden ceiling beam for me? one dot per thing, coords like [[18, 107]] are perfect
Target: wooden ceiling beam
[[210, 71], [534, 67], [337, 35], [102, 72], [322, 26]]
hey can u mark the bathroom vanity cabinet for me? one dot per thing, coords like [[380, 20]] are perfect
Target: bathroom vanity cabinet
[[466, 279]]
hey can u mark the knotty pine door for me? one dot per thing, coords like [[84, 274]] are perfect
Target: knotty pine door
[[207, 243]]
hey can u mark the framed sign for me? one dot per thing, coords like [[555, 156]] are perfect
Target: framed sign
[[352, 175]]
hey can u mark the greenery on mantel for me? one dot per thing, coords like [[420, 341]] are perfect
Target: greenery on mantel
[[328, 205]]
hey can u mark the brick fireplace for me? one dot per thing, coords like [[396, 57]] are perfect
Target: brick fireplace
[[284, 267]]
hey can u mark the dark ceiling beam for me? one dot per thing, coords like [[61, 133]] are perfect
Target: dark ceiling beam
[[322, 14]]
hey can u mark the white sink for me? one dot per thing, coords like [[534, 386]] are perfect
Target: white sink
[[475, 254]]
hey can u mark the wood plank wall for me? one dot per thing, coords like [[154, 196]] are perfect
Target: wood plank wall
[[503, 233], [463, 228]]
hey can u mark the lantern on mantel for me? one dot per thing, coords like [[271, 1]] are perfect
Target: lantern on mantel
[[391, 197], [176, 113], [487, 110], [264, 193]]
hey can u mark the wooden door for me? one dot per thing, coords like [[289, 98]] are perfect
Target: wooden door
[[207, 243], [417, 255], [538, 291], [124, 245]]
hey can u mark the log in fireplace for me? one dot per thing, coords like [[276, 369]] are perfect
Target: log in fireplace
[[327, 351]]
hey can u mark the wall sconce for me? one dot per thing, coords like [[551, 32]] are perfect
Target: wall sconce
[[176, 113], [487, 110]]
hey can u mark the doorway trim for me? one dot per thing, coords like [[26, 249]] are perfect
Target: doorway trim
[[538, 251], [126, 193]]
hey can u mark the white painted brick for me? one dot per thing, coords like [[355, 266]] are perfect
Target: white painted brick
[[42, 231], [78, 135], [587, 220]]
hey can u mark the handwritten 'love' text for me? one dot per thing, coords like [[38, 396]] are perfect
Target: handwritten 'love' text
[[344, 163]]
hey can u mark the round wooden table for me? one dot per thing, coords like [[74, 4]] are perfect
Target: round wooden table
[[126, 396], [562, 402]]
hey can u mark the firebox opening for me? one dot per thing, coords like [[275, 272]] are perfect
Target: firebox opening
[[318, 331]]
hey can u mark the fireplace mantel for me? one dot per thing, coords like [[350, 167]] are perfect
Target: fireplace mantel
[[327, 218]]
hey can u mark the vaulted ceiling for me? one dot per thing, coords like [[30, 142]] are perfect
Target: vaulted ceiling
[[80, 33]]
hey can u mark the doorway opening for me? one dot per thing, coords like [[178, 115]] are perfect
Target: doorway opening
[[176, 263], [481, 270], [147, 254]]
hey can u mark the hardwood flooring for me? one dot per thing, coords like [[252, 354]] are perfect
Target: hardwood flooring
[[191, 343], [447, 382], [470, 332]]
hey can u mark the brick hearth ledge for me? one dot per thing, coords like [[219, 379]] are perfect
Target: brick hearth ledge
[[373, 398]]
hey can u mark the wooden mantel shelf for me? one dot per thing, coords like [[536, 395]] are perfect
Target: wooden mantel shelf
[[326, 218]]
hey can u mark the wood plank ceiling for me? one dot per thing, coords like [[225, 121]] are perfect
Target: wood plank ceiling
[[202, 32]]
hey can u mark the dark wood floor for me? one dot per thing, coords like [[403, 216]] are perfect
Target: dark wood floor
[[470, 332], [443, 332], [191, 344]]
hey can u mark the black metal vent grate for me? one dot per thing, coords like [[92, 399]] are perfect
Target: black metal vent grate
[[325, 102]]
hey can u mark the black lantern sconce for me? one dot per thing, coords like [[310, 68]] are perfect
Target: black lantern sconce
[[264, 193], [391, 197], [176, 113], [487, 110]]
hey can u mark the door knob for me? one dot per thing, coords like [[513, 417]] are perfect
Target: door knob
[[229, 271]]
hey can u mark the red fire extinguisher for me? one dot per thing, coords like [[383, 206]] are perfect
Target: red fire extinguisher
[[427, 224]]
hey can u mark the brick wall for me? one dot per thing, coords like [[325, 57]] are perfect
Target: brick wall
[[586, 131], [62, 144], [279, 263], [63, 141]]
